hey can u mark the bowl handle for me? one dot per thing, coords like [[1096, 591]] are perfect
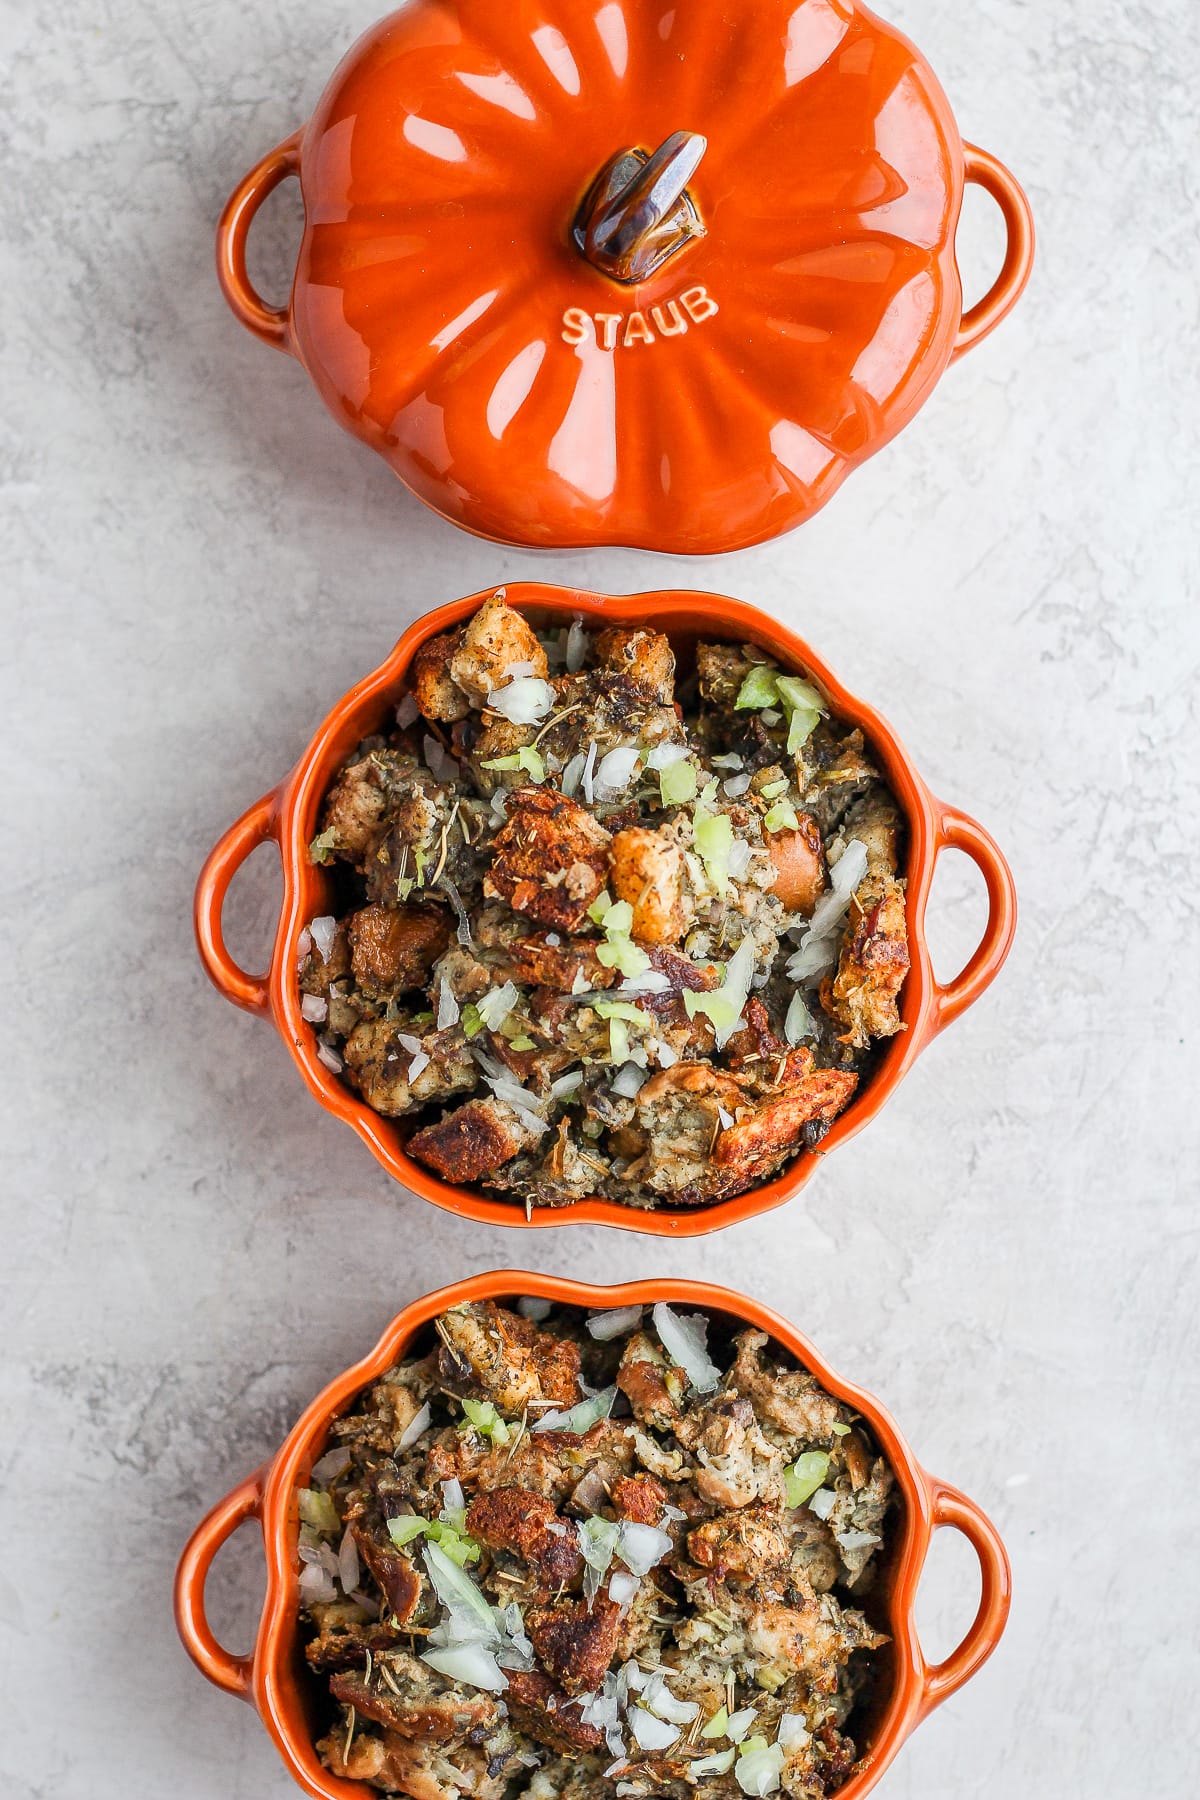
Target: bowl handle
[[1009, 285], [940, 1680], [956, 830], [231, 1673], [270, 323], [252, 829]]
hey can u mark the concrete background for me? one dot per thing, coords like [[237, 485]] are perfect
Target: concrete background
[[198, 563]]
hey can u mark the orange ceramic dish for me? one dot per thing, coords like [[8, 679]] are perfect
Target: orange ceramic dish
[[629, 272], [289, 815], [273, 1676]]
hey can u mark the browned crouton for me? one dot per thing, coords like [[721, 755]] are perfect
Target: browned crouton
[[640, 1498], [644, 656], [740, 1547], [647, 870], [492, 640], [395, 947], [542, 1710], [471, 1142], [559, 966], [863, 995], [550, 858], [574, 1642], [430, 1719], [490, 1352], [398, 1581], [776, 1126], [434, 688], [527, 1525]]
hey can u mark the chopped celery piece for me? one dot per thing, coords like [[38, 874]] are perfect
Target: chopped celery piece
[[623, 954], [782, 817], [713, 834], [599, 907], [804, 1477], [677, 783], [715, 1727], [404, 1529], [322, 847], [318, 1510], [758, 688], [618, 920], [471, 1022]]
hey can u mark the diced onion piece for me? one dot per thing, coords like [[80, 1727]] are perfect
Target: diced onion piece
[[799, 1021], [334, 1463], [666, 1705], [588, 769], [823, 1502], [615, 771], [738, 1724], [649, 1732], [323, 932], [685, 1339], [495, 1006], [448, 1010], [856, 1540], [472, 1663], [316, 1586], [458, 1592], [640, 1547], [629, 1081], [818, 946], [622, 1589], [453, 1498], [793, 1733], [572, 773], [719, 1763], [736, 785], [314, 1009], [442, 766], [580, 1417], [804, 1477], [418, 1066], [597, 1542], [650, 981], [739, 858], [329, 1056], [664, 755], [523, 701], [416, 1427], [726, 1118], [348, 1573], [576, 647], [532, 1306], [407, 711], [614, 1323], [513, 670], [566, 1084]]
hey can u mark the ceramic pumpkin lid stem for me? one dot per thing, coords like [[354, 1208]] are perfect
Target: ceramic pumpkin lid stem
[[637, 212]]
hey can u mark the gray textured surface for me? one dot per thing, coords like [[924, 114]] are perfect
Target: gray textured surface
[[198, 563]]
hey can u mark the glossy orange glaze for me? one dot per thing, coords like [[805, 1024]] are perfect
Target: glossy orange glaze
[[273, 1676], [289, 816], [449, 319]]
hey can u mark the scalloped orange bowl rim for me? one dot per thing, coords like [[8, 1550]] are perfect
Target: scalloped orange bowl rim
[[274, 1679], [288, 815]]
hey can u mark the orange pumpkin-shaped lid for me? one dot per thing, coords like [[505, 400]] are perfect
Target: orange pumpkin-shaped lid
[[625, 271]]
